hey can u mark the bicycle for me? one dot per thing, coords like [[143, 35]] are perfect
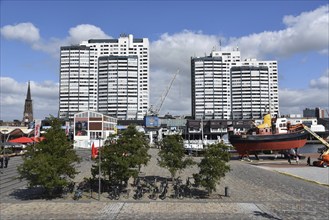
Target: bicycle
[[77, 194], [139, 192], [114, 193], [187, 189], [163, 190], [179, 189], [154, 192]]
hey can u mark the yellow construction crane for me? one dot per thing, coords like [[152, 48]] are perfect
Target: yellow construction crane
[[323, 160]]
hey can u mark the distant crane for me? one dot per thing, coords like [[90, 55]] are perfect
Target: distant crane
[[155, 110]]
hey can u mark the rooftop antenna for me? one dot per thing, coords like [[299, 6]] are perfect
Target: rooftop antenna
[[213, 48]]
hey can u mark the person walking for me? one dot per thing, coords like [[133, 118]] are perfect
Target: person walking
[[309, 161], [297, 159], [1, 162], [6, 161]]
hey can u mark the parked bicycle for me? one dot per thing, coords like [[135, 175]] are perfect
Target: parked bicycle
[[114, 192], [139, 192], [77, 194], [163, 190], [137, 181], [188, 188], [179, 189], [154, 189]]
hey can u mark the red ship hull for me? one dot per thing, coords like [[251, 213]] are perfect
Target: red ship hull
[[246, 144]]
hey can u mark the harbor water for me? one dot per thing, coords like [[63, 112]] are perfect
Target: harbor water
[[310, 148]]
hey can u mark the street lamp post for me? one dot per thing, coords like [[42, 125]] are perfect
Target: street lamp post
[[99, 167], [4, 148], [99, 170], [221, 131]]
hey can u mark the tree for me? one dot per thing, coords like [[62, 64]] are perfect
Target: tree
[[123, 158], [136, 147], [172, 155], [51, 162], [213, 166]]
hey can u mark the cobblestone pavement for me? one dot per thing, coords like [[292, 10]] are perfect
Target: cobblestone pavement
[[254, 193], [310, 173]]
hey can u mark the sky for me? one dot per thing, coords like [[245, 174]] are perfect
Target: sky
[[294, 33]]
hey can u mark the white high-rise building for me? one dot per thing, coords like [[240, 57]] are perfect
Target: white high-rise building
[[117, 86], [85, 69], [224, 87], [211, 84], [254, 89]]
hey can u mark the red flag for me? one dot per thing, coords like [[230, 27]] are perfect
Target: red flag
[[94, 151], [37, 125]]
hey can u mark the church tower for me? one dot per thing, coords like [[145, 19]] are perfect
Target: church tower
[[28, 110]]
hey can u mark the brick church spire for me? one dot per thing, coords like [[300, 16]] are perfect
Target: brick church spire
[[28, 110]]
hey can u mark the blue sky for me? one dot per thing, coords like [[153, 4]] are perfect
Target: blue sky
[[295, 33]]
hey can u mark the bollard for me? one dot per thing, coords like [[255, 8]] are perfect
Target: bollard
[[227, 194]]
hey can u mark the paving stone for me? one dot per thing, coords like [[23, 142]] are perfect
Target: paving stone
[[110, 211], [255, 193]]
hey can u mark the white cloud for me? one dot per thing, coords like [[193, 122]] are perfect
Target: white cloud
[[51, 47], [76, 35], [295, 101], [176, 50], [25, 32], [13, 95], [317, 95], [322, 82], [308, 31], [85, 32]]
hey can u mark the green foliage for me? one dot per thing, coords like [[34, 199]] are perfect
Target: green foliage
[[136, 146], [172, 154], [6, 151], [213, 166], [123, 158], [50, 163]]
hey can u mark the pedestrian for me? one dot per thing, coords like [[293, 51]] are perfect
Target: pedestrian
[[6, 161], [297, 159], [289, 160], [309, 161], [1, 162]]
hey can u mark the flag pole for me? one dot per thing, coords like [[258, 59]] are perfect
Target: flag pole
[[99, 171]]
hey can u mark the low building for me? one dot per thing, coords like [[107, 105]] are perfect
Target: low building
[[10, 132], [92, 128]]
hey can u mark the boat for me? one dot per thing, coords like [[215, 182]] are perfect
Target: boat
[[275, 134], [313, 124]]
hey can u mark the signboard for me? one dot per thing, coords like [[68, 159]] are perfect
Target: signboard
[[67, 128], [81, 127], [151, 121]]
